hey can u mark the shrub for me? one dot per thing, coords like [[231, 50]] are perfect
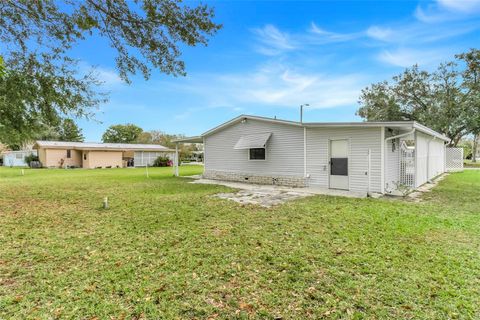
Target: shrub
[[30, 158], [162, 162]]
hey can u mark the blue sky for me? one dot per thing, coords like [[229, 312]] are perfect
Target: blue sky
[[270, 57]]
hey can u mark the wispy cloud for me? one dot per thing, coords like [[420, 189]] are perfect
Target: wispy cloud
[[108, 76], [417, 33], [273, 85], [272, 41], [379, 33], [407, 57], [329, 36], [447, 10], [460, 5]]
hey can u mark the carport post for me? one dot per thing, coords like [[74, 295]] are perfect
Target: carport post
[[176, 159]]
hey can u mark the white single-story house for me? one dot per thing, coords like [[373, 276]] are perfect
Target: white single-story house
[[62, 154], [364, 157], [16, 158]]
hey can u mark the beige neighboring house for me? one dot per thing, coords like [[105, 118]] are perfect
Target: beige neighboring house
[[63, 154]]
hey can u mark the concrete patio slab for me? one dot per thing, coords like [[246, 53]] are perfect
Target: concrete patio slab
[[271, 195]]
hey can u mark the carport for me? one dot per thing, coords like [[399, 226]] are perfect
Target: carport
[[196, 139]]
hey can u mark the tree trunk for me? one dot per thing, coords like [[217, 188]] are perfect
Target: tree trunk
[[474, 148]]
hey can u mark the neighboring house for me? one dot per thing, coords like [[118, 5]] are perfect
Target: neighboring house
[[365, 157], [16, 158], [61, 154]]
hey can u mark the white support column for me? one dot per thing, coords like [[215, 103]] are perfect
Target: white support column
[[382, 159], [204, 154], [176, 159], [369, 156], [415, 179]]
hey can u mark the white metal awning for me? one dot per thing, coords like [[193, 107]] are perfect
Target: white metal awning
[[258, 140]]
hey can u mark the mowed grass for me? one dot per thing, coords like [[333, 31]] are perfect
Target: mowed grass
[[470, 164], [167, 250]]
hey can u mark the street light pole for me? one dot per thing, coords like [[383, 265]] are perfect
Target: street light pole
[[301, 111]]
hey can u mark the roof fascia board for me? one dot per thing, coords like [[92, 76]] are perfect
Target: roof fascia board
[[431, 132], [247, 117]]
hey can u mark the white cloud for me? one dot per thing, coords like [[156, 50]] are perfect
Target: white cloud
[[460, 5], [328, 36], [108, 76], [379, 33], [447, 10], [405, 57], [273, 85], [419, 33], [272, 40]]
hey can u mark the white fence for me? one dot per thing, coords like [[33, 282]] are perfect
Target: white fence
[[454, 159]]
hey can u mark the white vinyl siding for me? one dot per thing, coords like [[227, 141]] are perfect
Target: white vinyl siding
[[430, 158], [17, 158], [360, 140], [284, 149], [392, 164]]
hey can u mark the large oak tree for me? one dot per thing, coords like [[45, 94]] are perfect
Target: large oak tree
[[40, 83], [446, 99]]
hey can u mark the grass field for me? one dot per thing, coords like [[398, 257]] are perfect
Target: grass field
[[470, 164], [167, 250]]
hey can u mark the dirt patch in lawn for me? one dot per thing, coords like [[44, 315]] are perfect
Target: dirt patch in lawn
[[263, 198]]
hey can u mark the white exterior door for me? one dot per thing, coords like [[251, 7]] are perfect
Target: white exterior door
[[339, 164]]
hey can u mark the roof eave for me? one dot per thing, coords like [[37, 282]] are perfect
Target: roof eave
[[246, 117], [427, 130]]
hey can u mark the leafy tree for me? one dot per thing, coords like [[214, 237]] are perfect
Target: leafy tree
[[122, 133], [167, 140], [443, 100], [69, 131], [145, 138], [471, 74], [40, 83]]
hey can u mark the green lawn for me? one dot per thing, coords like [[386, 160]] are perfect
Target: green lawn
[[167, 250], [470, 164]]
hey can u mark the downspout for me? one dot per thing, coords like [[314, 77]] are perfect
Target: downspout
[[305, 152], [391, 138]]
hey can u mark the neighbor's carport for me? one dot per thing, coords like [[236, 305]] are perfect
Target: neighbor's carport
[[197, 139]]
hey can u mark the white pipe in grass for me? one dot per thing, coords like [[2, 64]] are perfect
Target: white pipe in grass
[[146, 169], [105, 203]]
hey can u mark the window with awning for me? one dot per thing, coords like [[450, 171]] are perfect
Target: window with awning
[[253, 141]]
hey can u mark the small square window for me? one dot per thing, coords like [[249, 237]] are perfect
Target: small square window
[[257, 154], [19, 156], [69, 153]]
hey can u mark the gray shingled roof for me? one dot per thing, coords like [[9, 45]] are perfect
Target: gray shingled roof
[[100, 146]]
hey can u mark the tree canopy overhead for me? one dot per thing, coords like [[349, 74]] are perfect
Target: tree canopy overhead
[[40, 82], [122, 133], [447, 99], [144, 34]]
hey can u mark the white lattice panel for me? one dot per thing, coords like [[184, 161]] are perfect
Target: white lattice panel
[[454, 159], [407, 167]]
